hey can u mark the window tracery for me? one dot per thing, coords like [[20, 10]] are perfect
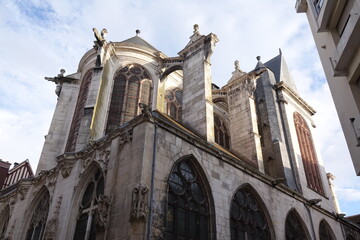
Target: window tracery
[[308, 155], [188, 209], [173, 99], [247, 219], [79, 112], [38, 220], [132, 85], [293, 228], [325, 232], [89, 223], [222, 136]]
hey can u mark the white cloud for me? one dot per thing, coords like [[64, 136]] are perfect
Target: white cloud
[[35, 45]]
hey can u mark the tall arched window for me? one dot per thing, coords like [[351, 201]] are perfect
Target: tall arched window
[[87, 226], [132, 85], [188, 208], [39, 217], [293, 227], [173, 100], [79, 112], [308, 154], [221, 133], [4, 221], [325, 232], [247, 219]]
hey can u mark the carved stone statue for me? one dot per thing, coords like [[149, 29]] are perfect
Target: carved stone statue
[[139, 202]]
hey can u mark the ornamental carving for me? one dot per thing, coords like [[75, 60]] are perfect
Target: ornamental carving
[[52, 224], [103, 210], [139, 202], [66, 165]]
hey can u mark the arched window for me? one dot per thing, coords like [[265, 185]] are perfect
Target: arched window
[[325, 232], [79, 112], [132, 85], [188, 207], [221, 133], [4, 221], [293, 227], [87, 225], [247, 219], [38, 220], [173, 100], [308, 154]]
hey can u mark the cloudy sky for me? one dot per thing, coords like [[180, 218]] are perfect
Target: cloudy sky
[[40, 37]]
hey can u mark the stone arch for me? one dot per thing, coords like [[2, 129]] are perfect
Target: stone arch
[[249, 215], [170, 70], [79, 192], [36, 218], [4, 221], [295, 227], [325, 231], [132, 84], [187, 183], [173, 103], [221, 132]]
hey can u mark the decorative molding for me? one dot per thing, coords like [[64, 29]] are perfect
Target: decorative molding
[[103, 210], [139, 202], [66, 164]]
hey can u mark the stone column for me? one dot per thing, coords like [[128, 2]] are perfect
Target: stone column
[[197, 108], [244, 133]]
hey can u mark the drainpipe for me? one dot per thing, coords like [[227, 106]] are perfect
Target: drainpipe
[[150, 220]]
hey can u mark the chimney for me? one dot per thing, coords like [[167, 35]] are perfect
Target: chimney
[[197, 108]]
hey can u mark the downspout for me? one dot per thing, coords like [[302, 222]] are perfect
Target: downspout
[[280, 103], [150, 220], [311, 221]]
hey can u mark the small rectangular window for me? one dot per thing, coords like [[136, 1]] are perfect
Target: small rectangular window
[[318, 5], [345, 17]]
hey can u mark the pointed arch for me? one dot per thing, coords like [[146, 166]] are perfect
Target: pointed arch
[[40, 211], [294, 227], [173, 100], [190, 209], [308, 154], [86, 221], [4, 221], [132, 85], [325, 232], [249, 218], [222, 136], [79, 112]]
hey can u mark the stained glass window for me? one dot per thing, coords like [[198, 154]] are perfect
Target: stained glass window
[[247, 219], [188, 208], [325, 231], [173, 99], [38, 220], [293, 228], [132, 86], [79, 112], [86, 225], [308, 155], [221, 133]]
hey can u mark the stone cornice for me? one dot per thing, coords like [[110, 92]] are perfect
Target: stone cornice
[[281, 86]]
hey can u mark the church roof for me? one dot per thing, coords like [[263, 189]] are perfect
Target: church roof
[[281, 71], [139, 41]]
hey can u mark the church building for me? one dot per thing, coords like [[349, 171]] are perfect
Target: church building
[[145, 146]]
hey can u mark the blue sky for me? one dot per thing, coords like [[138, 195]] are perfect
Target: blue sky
[[40, 37]]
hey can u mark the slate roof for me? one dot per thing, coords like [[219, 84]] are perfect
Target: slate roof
[[139, 41]]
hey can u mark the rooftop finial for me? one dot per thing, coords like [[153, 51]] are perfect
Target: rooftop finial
[[196, 29], [237, 65], [61, 74], [137, 32], [280, 52], [258, 58]]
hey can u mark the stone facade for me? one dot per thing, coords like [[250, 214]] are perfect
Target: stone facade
[[120, 184]]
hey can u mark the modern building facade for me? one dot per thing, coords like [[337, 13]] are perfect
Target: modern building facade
[[144, 146], [335, 25]]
